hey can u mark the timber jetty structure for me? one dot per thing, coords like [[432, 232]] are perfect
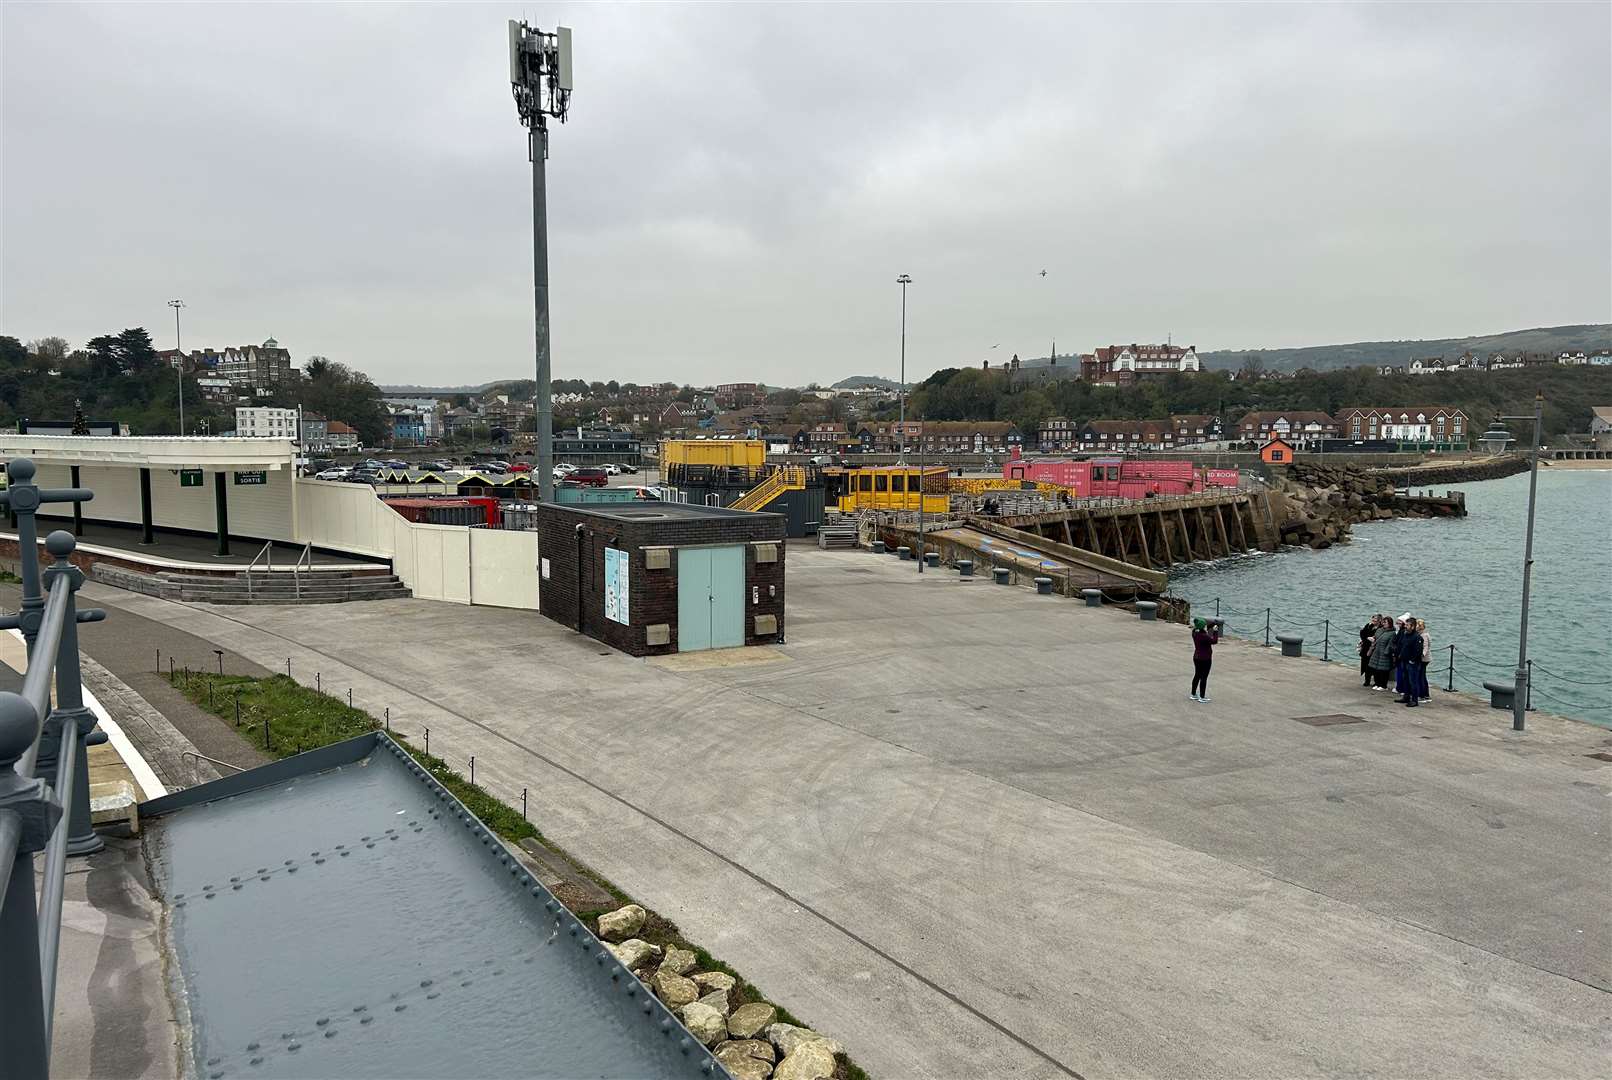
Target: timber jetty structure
[[1155, 534]]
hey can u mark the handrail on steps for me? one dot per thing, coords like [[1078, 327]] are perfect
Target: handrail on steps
[[267, 555], [296, 567]]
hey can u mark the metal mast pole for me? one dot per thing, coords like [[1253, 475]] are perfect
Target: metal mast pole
[[901, 433], [540, 300], [540, 76], [179, 359], [1519, 703]]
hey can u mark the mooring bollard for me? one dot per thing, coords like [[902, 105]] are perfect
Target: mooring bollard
[[903, 552], [1094, 597], [932, 558], [1000, 573], [1043, 586], [1148, 610], [1502, 695], [878, 547], [965, 567], [1292, 644]]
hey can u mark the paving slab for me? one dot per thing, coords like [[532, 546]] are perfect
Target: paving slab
[[973, 831]]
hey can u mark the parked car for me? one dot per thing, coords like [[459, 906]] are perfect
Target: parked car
[[565, 467], [394, 463], [590, 477], [332, 474], [613, 470], [648, 493], [520, 467], [624, 467], [364, 476]]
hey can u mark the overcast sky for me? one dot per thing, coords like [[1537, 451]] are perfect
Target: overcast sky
[[739, 186]]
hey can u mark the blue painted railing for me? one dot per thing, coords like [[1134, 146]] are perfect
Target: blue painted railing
[[44, 777]]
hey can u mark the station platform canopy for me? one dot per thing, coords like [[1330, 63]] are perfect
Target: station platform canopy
[[152, 451]]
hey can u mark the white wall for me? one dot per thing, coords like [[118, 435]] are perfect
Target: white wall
[[261, 511], [438, 562]]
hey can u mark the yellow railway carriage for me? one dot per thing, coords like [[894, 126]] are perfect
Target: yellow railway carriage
[[892, 487]]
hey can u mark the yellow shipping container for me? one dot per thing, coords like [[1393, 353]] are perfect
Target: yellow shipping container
[[714, 453]]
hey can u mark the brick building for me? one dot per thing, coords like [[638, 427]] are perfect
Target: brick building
[[662, 577], [1299, 427]]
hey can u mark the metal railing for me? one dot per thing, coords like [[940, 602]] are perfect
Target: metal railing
[[203, 757], [305, 559], [44, 776], [267, 555]]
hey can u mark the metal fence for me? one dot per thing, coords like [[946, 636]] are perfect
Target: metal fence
[[44, 777], [1452, 664]]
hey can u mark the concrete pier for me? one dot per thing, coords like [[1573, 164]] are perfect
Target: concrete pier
[[972, 831]]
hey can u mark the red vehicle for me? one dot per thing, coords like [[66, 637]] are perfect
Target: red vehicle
[[520, 466], [1126, 478], [472, 510], [589, 477]]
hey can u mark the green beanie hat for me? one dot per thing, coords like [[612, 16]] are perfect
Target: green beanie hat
[[1197, 624]]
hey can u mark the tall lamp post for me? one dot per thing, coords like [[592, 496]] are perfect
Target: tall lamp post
[[540, 75], [901, 426], [1495, 439], [179, 349]]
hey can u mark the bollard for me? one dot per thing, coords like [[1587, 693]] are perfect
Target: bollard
[[1148, 610], [878, 547], [1528, 696], [932, 558], [237, 706], [318, 683], [288, 667], [428, 740], [1451, 688], [1292, 644], [903, 552], [1094, 597], [965, 567], [1267, 628], [1000, 573], [159, 661], [1326, 640], [1502, 695], [1217, 607], [388, 718], [472, 768], [523, 804], [1043, 586]]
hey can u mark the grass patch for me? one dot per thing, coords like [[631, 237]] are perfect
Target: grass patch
[[8, 578], [284, 718]]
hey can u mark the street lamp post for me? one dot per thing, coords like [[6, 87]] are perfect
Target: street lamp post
[[540, 75], [179, 362], [1497, 436], [901, 425]]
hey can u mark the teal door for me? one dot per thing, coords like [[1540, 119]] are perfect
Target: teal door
[[727, 597], [710, 598]]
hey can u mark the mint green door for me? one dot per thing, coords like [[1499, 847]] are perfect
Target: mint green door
[[710, 598], [727, 597]]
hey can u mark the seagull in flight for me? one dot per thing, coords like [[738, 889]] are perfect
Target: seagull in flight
[[1043, 273]]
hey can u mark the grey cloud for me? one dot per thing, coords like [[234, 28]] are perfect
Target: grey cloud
[[739, 185]]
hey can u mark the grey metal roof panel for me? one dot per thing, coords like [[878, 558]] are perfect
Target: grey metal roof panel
[[349, 917]]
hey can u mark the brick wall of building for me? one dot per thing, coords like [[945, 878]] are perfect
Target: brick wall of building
[[573, 592]]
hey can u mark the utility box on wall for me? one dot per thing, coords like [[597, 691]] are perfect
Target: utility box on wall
[[652, 577]]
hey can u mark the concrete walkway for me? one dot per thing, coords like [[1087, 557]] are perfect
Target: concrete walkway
[[973, 831]]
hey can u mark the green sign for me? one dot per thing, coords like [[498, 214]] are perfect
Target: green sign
[[253, 478], [190, 478]]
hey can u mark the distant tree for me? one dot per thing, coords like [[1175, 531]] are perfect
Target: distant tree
[[1253, 367]]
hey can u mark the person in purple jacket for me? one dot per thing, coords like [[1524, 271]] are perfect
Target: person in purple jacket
[[1204, 638]]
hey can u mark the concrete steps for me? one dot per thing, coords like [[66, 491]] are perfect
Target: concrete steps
[[322, 587]]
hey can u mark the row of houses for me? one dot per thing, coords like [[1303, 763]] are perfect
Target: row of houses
[[1420, 423], [1498, 361]]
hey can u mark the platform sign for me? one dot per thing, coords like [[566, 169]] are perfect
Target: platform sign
[[190, 478], [252, 478], [616, 589]]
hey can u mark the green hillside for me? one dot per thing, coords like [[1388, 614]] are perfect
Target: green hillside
[[1549, 339]]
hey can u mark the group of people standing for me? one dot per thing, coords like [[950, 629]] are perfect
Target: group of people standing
[[1398, 647]]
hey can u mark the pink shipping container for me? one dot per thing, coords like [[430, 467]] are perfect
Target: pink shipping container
[[1128, 478]]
